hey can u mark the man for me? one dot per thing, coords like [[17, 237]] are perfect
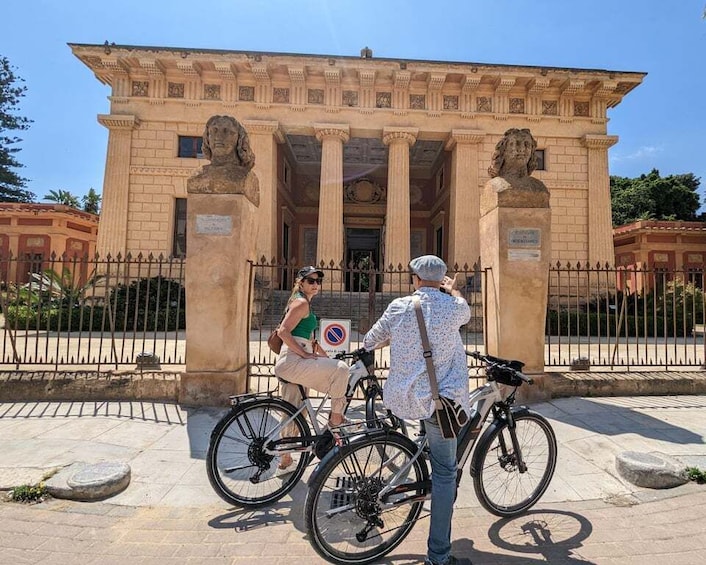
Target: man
[[407, 390]]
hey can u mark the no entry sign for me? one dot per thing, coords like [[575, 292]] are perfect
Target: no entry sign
[[335, 335]]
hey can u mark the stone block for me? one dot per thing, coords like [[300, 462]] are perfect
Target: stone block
[[650, 470]]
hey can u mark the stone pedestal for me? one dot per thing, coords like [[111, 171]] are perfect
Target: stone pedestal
[[515, 235], [221, 238]]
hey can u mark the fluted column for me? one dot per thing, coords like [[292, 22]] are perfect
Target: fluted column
[[600, 223], [464, 201], [264, 137], [397, 221], [112, 226], [329, 238]]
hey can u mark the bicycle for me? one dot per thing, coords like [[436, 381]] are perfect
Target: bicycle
[[366, 495], [246, 445]]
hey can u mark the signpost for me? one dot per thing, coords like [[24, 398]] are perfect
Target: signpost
[[335, 336]]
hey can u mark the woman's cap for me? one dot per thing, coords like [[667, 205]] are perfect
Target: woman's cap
[[306, 271], [428, 268]]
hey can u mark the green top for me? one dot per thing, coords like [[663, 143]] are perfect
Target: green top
[[306, 326]]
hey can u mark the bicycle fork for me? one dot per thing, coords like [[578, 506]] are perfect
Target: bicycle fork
[[516, 456]]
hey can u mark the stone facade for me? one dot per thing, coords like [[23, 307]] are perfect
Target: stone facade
[[33, 233], [356, 156], [677, 248]]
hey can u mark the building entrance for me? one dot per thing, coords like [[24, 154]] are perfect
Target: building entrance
[[362, 253]]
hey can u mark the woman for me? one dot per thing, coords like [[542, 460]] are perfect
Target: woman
[[301, 360]]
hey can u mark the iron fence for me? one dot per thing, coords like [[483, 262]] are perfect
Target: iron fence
[[115, 312], [354, 293], [628, 317], [128, 312]]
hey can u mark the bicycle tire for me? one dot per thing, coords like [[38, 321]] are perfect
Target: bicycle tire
[[238, 469], [500, 487], [352, 478]]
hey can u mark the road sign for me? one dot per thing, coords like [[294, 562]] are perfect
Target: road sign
[[335, 336]]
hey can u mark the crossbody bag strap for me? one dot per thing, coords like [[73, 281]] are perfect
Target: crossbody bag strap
[[427, 352]]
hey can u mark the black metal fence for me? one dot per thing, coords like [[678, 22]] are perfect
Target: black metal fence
[[627, 317], [129, 312], [108, 313], [354, 293]]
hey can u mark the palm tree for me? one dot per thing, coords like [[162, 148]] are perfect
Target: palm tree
[[91, 201], [62, 197]]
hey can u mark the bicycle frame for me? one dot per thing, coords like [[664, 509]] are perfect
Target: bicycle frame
[[274, 445]]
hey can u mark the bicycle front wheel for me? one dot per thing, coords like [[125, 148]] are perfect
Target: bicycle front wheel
[[239, 469], [345, 520], [502, 487]]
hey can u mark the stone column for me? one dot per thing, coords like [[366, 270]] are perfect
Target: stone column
[[397, 220], [264, 137], [464, 208], [600, 223], [329, 238], [112, 231]]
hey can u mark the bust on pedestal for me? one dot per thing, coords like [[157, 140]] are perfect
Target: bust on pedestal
[[221, 238], [515, 233]]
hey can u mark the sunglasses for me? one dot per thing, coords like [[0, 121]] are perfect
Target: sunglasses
[[313, 281]]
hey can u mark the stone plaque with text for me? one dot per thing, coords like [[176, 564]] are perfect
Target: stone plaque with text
[[211, 224]]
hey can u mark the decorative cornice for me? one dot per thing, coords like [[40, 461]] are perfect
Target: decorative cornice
[[393, 134], [599, 141], [118, 121], [153, 67], [402, 79], [226, 71], [572, 86], [264, 127], [367, 78], [538, 85], [340, 131], [189, 68], [259, 70], [470, 83], [332, 77], [505, 84], [464, 137], [297, 75], [164, 171], [436, 81]]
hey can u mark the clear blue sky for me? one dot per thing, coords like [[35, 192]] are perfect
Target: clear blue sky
[[661, 124]]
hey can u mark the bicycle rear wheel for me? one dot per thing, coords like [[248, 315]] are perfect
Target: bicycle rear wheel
[[344, 519], [239, 469], [500, 486]]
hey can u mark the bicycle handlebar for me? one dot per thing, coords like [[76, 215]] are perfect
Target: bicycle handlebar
[[505, 365]]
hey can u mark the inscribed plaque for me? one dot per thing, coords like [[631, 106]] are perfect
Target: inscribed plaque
[[524, 237], [210, 224]]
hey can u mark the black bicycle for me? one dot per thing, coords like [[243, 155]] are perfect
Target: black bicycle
[[244, 459], [366, 495]]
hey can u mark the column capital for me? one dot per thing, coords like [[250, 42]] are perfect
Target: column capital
[[118, 121], [599, 141], [465, 137], [340, 131], [392, 134], [264, 127]]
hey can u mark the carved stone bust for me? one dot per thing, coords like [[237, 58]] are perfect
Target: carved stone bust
[[512, 163], [227, 146]]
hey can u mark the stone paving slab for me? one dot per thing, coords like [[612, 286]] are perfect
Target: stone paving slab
[[562, 533]]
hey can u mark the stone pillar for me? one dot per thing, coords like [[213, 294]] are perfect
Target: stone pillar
[[329, 238], [112, 230], [600, 222], [222, 225], [264, 137], [464, 208], [397, 217], [515, 235]]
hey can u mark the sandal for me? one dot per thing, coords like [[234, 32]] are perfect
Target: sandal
[[285, 462]]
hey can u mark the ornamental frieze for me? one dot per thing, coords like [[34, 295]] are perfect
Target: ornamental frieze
[[162, 171], [364, 191]]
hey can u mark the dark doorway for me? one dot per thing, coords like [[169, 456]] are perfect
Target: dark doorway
[[362, 253]]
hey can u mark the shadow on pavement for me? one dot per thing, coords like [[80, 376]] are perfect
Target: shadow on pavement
[[627, 415], [553, 534]]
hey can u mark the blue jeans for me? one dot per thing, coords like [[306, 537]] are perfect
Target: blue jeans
[[443, 492]]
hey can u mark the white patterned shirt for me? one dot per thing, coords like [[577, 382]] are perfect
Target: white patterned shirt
[[407, 392]]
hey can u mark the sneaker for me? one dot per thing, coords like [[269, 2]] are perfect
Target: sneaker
[[450, 561]]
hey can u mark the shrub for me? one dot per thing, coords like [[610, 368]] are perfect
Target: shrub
[[155, 303]]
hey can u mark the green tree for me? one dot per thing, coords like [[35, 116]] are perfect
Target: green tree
[[63, 197], [91, 201], [12, 186], [653, 197]]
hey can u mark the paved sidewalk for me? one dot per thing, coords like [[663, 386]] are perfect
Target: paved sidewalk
[[169, 513]]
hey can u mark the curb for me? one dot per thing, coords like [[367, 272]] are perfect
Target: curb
[[161, 386]]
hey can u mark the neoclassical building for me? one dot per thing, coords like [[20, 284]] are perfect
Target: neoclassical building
[[356, 156]]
